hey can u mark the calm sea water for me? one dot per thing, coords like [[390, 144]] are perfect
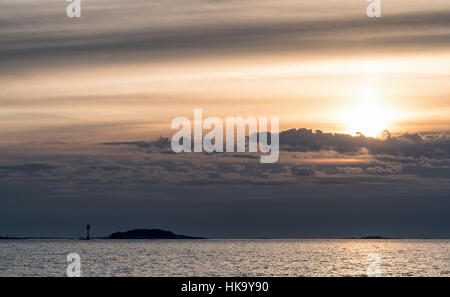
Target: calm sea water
[[225, 257]]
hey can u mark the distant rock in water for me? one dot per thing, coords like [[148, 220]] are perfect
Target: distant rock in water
[[149, 234], [370, 237]]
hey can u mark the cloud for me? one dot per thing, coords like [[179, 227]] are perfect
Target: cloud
[[307, 157], [30, 167], [405, 145], [306, 140], [137, 183], [161, 142], [197, 30]]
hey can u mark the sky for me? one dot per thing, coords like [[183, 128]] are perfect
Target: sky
[[83, 103]]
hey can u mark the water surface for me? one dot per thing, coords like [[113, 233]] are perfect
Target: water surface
[[225, 257]]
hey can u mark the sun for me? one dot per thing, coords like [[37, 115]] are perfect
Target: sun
[[368, 114], [368, 117]]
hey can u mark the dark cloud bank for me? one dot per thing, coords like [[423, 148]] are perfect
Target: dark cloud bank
[[324, 185], [232, 37]]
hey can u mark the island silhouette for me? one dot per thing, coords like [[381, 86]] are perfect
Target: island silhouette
[[159, 234], [149, 234]]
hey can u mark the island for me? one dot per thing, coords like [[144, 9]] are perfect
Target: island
[[370, 237], [7, 237], [149, 234]]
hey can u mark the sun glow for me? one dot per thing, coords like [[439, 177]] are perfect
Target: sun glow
[[367, 117]]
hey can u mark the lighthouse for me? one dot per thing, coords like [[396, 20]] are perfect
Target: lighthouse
[[88, 231]]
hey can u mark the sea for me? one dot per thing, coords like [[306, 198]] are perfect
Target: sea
[[230, 257]]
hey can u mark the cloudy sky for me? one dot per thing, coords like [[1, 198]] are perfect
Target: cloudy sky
[[83, 102]]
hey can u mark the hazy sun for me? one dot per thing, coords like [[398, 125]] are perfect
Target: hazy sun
[[367, 115]]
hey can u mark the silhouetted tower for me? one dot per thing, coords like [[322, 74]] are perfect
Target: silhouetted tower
[[88, 231]]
